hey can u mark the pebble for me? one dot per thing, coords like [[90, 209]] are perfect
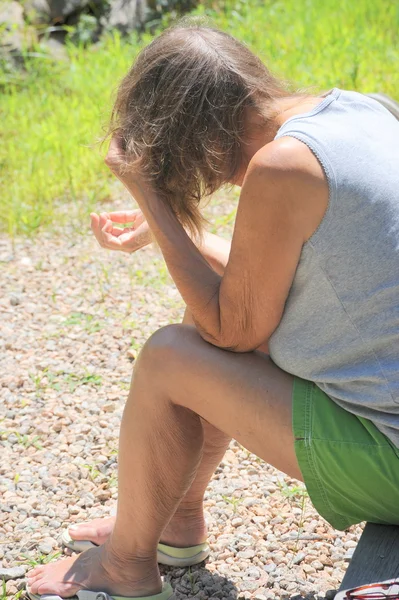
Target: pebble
[[12, 573], [237, 522]]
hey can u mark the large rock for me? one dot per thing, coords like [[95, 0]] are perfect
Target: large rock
[[60, 10], [12, 20], [37, 11], [126, 15]]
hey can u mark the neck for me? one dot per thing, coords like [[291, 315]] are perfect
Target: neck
[[264, 133]]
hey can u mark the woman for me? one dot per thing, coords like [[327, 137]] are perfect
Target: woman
[[313, 274]]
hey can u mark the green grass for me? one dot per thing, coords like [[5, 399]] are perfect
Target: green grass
[[51, 170]]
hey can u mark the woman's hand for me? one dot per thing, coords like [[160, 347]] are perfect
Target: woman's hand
[[125, 239], [130, 176]]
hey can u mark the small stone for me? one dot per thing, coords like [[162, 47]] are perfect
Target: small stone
[[350, 544], [74, 510], [237, 522], [330, 594], [45, 548], [349, 554], [246, 554], [308, 569], [26, 261], [270, 568], [299, 558], [12, 573], [103, 495]]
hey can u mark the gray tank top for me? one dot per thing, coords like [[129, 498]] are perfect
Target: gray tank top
[[340, 326]]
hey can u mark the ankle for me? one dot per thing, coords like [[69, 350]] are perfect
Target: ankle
[[189, 512], [138, 568], [187, 527]]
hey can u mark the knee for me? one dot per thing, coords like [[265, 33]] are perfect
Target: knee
[[166, 350]]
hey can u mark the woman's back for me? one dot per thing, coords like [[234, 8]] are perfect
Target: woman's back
[[340, 326]]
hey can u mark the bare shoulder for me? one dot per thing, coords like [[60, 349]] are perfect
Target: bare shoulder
[[288, 155], [289, 169]]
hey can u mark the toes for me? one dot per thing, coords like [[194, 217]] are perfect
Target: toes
[[33, 584], [84, 532], [36, 571], [33, 578], [64, 590]]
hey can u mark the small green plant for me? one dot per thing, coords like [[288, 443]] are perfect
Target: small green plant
[[5, 596], [74, 380], [292, 492], [40, 559], [235, 502], [28, 441], [37, 380], [24, 439], [112, 481], [85, 320], [296, 494], [93, 472], [301, 520], [192, 578]]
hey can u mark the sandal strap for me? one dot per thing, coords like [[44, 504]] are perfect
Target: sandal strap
[[166, 594]]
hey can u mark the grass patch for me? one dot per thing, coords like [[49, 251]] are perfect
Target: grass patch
[[52, 172]]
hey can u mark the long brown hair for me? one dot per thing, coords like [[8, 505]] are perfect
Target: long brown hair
[[180, 112]]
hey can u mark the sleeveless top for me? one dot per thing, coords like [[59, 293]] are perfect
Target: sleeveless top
[[340, 326]]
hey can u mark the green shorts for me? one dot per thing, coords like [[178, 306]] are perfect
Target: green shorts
[[350, 469]]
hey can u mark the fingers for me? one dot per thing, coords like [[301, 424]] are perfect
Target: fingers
[[125, 216], [128, 239], [115, 152]]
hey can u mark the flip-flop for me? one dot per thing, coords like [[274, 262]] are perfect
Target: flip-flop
[[166, 594], [166, 555]]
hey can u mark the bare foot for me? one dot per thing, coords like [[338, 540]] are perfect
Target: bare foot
[[187, 528], [97, 570]]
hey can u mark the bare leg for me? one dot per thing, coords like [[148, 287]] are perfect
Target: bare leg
[[179, 380], [187, 527]]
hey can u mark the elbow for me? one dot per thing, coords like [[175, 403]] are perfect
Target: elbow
[[238, 344]]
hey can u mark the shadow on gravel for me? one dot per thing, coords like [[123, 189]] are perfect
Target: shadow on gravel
[[198, 583]]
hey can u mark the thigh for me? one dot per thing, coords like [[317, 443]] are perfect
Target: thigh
[[245, 395]]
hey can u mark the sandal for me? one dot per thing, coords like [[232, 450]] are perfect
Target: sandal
[[166, 594], [166, 555]]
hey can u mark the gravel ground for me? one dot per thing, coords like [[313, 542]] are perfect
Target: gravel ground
[[72, 320]]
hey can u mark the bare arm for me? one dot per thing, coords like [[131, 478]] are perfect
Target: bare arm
[[216, 251], [241, 309]]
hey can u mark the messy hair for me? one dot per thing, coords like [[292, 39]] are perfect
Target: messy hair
[[180, 112]]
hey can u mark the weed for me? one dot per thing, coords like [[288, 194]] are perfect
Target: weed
[[41, 559], [24, 439], [73, 380], [37, 381], [235, 502], [85, 320], [112, 481], [93, 472], [292, 492], [299, 495], [5, 596]]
